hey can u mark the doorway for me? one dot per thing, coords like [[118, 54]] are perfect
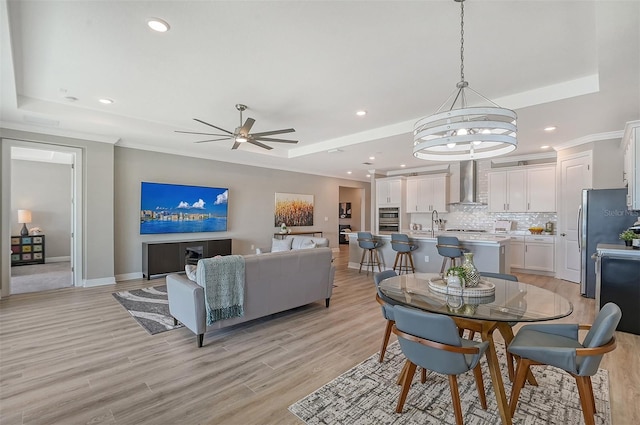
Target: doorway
[[351, 211], [46, 181]]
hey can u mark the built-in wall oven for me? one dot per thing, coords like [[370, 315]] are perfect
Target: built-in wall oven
[[389, 219]]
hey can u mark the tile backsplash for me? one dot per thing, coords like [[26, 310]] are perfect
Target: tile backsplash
[[477, 217]]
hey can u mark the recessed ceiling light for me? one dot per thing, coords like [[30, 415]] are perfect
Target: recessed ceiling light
[[403, 165], [348, 172], [106, 101], [158, 24], [368, 175], [372, 158], [550, 128], [545, 147], [361, 113]]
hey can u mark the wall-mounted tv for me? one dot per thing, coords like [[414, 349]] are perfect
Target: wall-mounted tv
[[173, 208]]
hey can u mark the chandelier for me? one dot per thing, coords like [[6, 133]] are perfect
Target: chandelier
[[465, 133]]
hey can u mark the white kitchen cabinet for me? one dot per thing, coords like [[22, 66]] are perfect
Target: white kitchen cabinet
[[389, 191], [507, 191], [516, 252], [631, 169], [539, 253], [425, 194], [541, 189], [526, 189]]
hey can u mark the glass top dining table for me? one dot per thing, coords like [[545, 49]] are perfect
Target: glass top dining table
[[495, 304], [510, 301]]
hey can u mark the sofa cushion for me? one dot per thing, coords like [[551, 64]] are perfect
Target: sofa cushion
[[303, 242], [278, 245]]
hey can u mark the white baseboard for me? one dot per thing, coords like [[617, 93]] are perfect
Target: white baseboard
[[99, 282], [128, 276], [57, 259]]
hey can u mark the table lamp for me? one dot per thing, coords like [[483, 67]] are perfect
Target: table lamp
[[24, 217]]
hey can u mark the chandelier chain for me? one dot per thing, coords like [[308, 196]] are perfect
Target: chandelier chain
[[462, 40]]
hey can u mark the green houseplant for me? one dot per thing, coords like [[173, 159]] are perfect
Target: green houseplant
[[458, 271], [627, 236]]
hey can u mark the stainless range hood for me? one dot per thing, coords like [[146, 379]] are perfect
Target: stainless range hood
[[468, 184]]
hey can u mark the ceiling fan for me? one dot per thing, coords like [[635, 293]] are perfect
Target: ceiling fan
[[242, 133]]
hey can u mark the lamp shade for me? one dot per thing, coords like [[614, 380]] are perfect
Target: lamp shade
[[24, 216]]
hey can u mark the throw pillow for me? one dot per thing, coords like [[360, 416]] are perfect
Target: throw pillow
[[278, 245], [191, 271], [307, 244]]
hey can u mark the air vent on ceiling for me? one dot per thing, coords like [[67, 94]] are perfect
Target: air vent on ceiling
[[368, 163]]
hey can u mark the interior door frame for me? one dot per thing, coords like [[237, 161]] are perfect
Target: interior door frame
[[76, 209]]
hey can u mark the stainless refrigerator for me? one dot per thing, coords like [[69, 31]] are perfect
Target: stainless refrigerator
[[602, 217]]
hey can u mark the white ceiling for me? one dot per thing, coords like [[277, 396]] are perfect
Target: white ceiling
[[311, 65]]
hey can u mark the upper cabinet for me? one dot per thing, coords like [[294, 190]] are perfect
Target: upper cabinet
[[427, 193], [530, 189], [631, 172], [390, 191]]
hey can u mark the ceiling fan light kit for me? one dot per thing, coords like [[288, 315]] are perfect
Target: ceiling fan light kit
[[465, 133], [243, 133]]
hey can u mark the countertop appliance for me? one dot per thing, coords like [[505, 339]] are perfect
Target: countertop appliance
[[602, 216], [618, 281]]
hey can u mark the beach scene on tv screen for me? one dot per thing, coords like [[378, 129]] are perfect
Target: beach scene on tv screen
[[170, 208]]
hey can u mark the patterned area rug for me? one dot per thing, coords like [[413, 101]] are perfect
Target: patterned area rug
[[150, 308], [367, 394]]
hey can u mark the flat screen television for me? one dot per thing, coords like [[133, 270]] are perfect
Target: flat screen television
[[174, 208]]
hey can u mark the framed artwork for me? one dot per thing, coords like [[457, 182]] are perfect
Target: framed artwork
[[293, 209], [344, 210]]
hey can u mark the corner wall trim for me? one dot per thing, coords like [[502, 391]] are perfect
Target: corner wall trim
[[88, 283]]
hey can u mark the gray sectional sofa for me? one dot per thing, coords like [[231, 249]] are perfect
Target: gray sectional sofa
[[274, 282]]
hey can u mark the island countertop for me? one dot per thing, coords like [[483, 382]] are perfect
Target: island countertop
[[489, 250]]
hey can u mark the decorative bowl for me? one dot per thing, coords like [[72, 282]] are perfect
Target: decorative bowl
[[536, 230]]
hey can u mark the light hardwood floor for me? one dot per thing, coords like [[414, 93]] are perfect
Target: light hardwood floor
[[75, 356]]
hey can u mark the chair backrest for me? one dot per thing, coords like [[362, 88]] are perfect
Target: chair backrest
[[437, 328], [365, 240], [500, 276], [400, 242], [601, 332], [449, 246], [377, 278]]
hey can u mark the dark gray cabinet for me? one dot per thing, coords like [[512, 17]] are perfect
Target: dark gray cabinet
[[171, 256]]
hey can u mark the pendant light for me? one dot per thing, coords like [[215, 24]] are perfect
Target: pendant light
[[463, 132]]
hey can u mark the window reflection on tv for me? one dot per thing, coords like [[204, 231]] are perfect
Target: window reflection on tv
[[172, 208]]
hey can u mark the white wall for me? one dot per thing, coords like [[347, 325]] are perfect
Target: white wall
[[44, 189], [251, 201]]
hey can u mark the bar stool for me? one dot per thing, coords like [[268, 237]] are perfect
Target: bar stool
[[449, 247], [369, 250], [400, 243]]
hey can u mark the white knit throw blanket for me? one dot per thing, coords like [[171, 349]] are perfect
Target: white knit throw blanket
[[223, 281]]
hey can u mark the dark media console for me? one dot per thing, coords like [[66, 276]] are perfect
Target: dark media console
[[171, 256]]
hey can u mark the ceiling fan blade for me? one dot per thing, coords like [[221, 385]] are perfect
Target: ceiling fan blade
[[194, 132], [213, 140], [246, 128], [269, 139], [211, 125], [262, 145], [269, 133], [236, 145]]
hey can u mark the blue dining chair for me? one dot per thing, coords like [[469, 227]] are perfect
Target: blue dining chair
[[557, 345], [449, 248], [370, 251], [403, 247], [386, 304], [432, 342]]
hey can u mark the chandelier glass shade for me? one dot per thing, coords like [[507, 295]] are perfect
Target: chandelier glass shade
[[464, 132]]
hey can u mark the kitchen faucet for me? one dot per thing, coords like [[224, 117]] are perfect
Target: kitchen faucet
[[433, 235]]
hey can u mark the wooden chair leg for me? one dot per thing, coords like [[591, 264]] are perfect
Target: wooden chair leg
[[403, 372], [364, 252], [395, 263], [423, 376], [593, 400], [411, 370], [477, 372], [521, 374], [413, 268], [385, 341], [377, 261], [471, 334], [510, 366], [585, 391], [455, 397]]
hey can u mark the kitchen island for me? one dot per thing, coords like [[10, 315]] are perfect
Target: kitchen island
[[489, 251]]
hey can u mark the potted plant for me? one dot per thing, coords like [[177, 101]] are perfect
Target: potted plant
[[458, 274], [628, 236]]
